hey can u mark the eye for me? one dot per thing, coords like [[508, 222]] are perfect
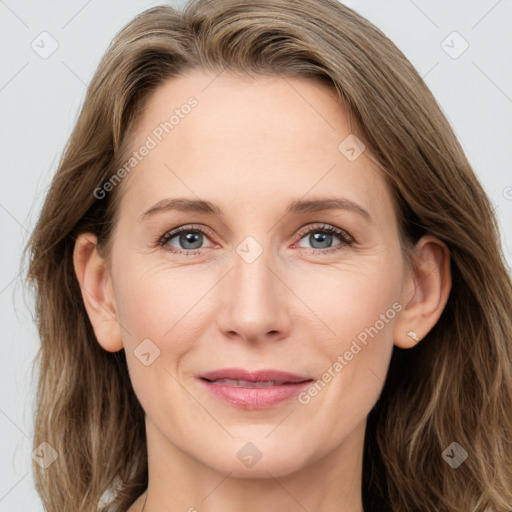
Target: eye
[[189, 239], [321, 237]]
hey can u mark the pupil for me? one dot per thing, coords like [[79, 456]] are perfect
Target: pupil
[[190, 238], [321, 237]]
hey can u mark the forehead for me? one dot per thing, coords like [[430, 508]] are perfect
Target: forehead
[[252, 142]]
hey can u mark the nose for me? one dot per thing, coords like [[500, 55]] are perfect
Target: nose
[[254, 301]]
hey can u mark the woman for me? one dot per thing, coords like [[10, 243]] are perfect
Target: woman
[[252, 371]]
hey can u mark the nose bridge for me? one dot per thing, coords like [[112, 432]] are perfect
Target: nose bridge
[[252, 303], [252, 256], [252, 283]]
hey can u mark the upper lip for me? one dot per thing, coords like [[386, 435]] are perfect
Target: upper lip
[[255, 376]]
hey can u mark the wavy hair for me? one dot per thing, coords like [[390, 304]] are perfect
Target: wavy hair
[[454, 386]]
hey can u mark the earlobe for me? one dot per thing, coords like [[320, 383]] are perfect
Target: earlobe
[[95, 283], [425, 293]]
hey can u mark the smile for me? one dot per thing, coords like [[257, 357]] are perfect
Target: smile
[[253, 390]]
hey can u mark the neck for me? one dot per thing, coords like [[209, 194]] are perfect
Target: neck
[[178, 482]]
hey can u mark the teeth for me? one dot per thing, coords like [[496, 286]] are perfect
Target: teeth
[[248, 384]]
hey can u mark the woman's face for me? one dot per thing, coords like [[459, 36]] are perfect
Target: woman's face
[[254, 281]]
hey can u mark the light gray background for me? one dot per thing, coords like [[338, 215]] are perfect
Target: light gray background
[[39, 101]]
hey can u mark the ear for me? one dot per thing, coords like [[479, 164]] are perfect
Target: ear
[[425, 292], [97, 292]]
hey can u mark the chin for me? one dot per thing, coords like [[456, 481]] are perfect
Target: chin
[[259, 459]]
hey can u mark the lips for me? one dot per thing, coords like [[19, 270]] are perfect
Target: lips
[[253, 390], [243, 378], [248, 384]]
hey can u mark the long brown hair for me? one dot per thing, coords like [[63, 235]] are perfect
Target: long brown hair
[[454, 386]]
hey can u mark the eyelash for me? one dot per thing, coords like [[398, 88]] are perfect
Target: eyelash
[[346, 239]]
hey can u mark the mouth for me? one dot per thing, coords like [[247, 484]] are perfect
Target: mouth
[[248, 384], [254, 390]]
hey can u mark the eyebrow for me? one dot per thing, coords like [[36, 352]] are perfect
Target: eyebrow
[[294, 207]]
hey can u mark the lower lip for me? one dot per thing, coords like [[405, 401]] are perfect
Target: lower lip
[[255, 398]]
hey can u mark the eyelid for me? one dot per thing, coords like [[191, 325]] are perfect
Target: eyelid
[[309, 228]]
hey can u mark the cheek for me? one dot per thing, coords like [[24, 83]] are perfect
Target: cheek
[[154, 299], [357, 308], [155, 306], [350, 300]]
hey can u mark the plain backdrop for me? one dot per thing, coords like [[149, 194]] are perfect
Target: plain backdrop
[[40, 94]]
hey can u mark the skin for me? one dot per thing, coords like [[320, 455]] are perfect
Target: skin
[[250, 147]]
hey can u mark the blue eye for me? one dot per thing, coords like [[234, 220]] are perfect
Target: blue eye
[[323, 235], [190, 239]]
